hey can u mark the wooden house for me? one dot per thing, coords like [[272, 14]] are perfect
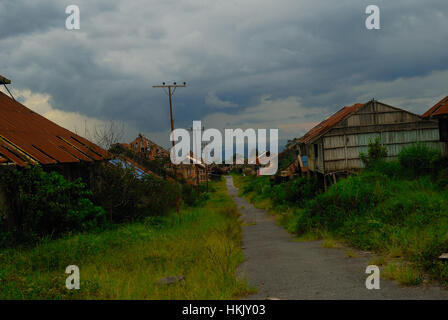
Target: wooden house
[[333, 146], [439, 112], [147, 148]]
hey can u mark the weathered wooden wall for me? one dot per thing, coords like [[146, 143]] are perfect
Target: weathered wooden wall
[[340, 147]]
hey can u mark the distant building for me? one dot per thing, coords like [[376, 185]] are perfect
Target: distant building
[[146, 148], [439, 112], [195, 171], [334, 145]]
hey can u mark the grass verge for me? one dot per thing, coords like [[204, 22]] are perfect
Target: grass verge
[[203, 244], [399, 218]]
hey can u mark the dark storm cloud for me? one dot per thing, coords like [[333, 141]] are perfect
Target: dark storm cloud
[[21, 17], [235, 55]]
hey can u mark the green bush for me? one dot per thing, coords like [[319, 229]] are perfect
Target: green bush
[[351, 196], [375, 152], [295, 192], [46, 204], [372, 211], [418, 159], [442, 179], [126, 197], [260, 185], [389, 168]]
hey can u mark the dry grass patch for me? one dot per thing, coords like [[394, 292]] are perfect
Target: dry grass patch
[[404, 273]]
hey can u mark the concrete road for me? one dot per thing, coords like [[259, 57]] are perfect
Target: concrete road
[[281, 268]]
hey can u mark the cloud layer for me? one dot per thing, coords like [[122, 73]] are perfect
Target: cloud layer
[[263, 63]]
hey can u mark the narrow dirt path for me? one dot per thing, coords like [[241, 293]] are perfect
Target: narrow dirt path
[[281, 268]]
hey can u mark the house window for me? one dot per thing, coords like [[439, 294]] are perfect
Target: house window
[[316, 150]]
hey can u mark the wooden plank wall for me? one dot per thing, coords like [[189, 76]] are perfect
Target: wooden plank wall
[[397, 129]]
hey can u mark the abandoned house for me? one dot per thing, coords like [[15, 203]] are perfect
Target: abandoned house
[[196, 171], [147, 149], [333, 147], [439, 112], [29, 138]]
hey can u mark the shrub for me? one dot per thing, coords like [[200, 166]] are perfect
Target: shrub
[[46, 204], [388, 168], [418, 159], [442, 180], [128, 198], [190, 194], [259, 185], [375, 152], [295, 192], [351, 196]]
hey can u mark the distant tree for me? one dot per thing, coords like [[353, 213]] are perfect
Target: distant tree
[[105, 135], [109, 134]]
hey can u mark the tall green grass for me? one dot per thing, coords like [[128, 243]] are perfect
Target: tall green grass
[[203, 244]]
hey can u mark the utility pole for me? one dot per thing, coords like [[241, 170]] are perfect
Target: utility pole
[[171, 89], [196, 165], [204, 144]]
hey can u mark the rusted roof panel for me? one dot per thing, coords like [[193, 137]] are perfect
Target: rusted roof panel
[[330, 122], [36, 139], [439, 109], [12, 154]]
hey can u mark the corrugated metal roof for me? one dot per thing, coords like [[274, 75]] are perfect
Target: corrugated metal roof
[[440, 108], [27, 137], [124, 162], [330, 122]]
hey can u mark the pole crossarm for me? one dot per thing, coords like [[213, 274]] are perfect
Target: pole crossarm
[[171, 86]]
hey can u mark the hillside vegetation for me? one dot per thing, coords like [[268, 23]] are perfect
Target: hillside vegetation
[[398, 209]]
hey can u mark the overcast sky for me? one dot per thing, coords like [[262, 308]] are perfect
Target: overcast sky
[[283, 64]]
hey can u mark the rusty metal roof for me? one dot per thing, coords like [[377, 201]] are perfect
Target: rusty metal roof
[[325, 125], [439, 109], [29, 138]]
